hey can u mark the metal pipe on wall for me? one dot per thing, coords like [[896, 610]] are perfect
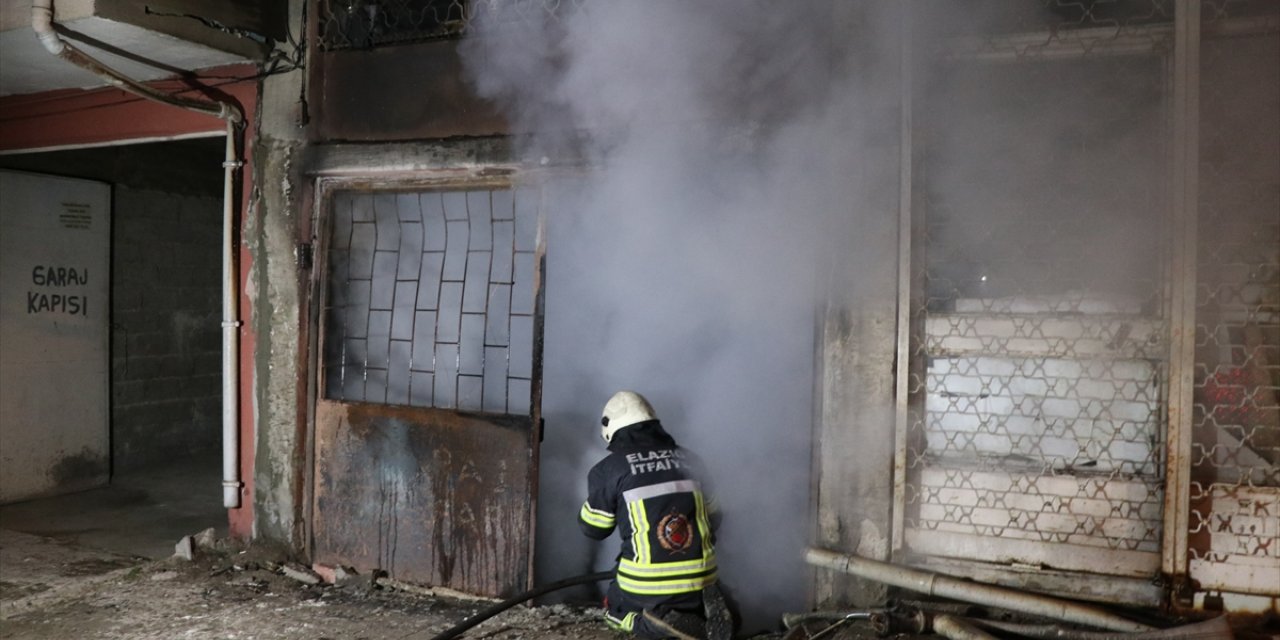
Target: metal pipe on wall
[[1213, 629], [42, 24], [230, 330], [902, 361], [1185, 166], [947, 587]]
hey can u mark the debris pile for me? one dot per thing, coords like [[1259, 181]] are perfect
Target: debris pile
[[1054, 618], [915, 619]]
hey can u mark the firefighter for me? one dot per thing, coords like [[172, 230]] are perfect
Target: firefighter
[[647, 488]]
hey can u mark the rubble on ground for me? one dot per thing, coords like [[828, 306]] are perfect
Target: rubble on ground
[[51, 590]]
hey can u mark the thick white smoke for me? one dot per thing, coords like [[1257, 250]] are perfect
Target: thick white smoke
[[687, 260]]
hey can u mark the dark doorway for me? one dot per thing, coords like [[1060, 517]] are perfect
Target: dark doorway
[[165, 410]]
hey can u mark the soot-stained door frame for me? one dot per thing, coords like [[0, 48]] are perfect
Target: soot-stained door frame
[[320, 200]]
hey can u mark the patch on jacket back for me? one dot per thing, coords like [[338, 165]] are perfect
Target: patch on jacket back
[[659, 460], [675, 534]]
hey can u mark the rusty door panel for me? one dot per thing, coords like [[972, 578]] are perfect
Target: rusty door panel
[[404, 490]]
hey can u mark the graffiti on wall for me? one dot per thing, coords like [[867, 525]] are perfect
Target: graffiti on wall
[[56, 293]]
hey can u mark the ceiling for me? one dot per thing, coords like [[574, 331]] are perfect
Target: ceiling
[[186, 167], [132, 38]]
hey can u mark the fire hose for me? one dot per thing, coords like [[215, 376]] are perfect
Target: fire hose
[[499, 607]]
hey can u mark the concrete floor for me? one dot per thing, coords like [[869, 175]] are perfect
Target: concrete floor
[[142, 513]]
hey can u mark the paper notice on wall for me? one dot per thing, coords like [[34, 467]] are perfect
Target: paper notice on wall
[[54, 286], [76, 215]]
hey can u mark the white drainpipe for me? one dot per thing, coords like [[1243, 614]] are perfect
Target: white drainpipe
[[230, 331], [42, 24]]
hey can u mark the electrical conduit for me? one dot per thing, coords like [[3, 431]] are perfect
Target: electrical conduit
[[42, 24]]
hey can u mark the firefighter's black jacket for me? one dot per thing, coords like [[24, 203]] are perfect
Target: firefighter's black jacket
[[648, 489]]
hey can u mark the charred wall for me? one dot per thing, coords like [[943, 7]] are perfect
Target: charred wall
[[276, 227], [405, 111], [346, 94], [742, 363], [405, 92]]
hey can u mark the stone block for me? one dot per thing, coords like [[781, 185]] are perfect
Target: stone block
[[185, 549]]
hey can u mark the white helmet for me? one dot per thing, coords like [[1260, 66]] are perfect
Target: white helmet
[[624, 409]]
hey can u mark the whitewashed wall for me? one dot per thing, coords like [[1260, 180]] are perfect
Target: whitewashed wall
[[54, 284]]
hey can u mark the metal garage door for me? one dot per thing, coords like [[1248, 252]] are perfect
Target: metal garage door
[[426, 424]]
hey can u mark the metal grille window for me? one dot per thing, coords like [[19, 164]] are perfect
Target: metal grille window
[[431, 299], [363, 24], [1056, 276], [1040, 355], [1022, 30], [1234, 523]]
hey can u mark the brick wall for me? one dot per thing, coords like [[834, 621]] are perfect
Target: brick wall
[[166, 308]]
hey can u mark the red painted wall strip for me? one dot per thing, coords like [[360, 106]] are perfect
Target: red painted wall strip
[[72, 117], [241, 520], [103, 116]]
